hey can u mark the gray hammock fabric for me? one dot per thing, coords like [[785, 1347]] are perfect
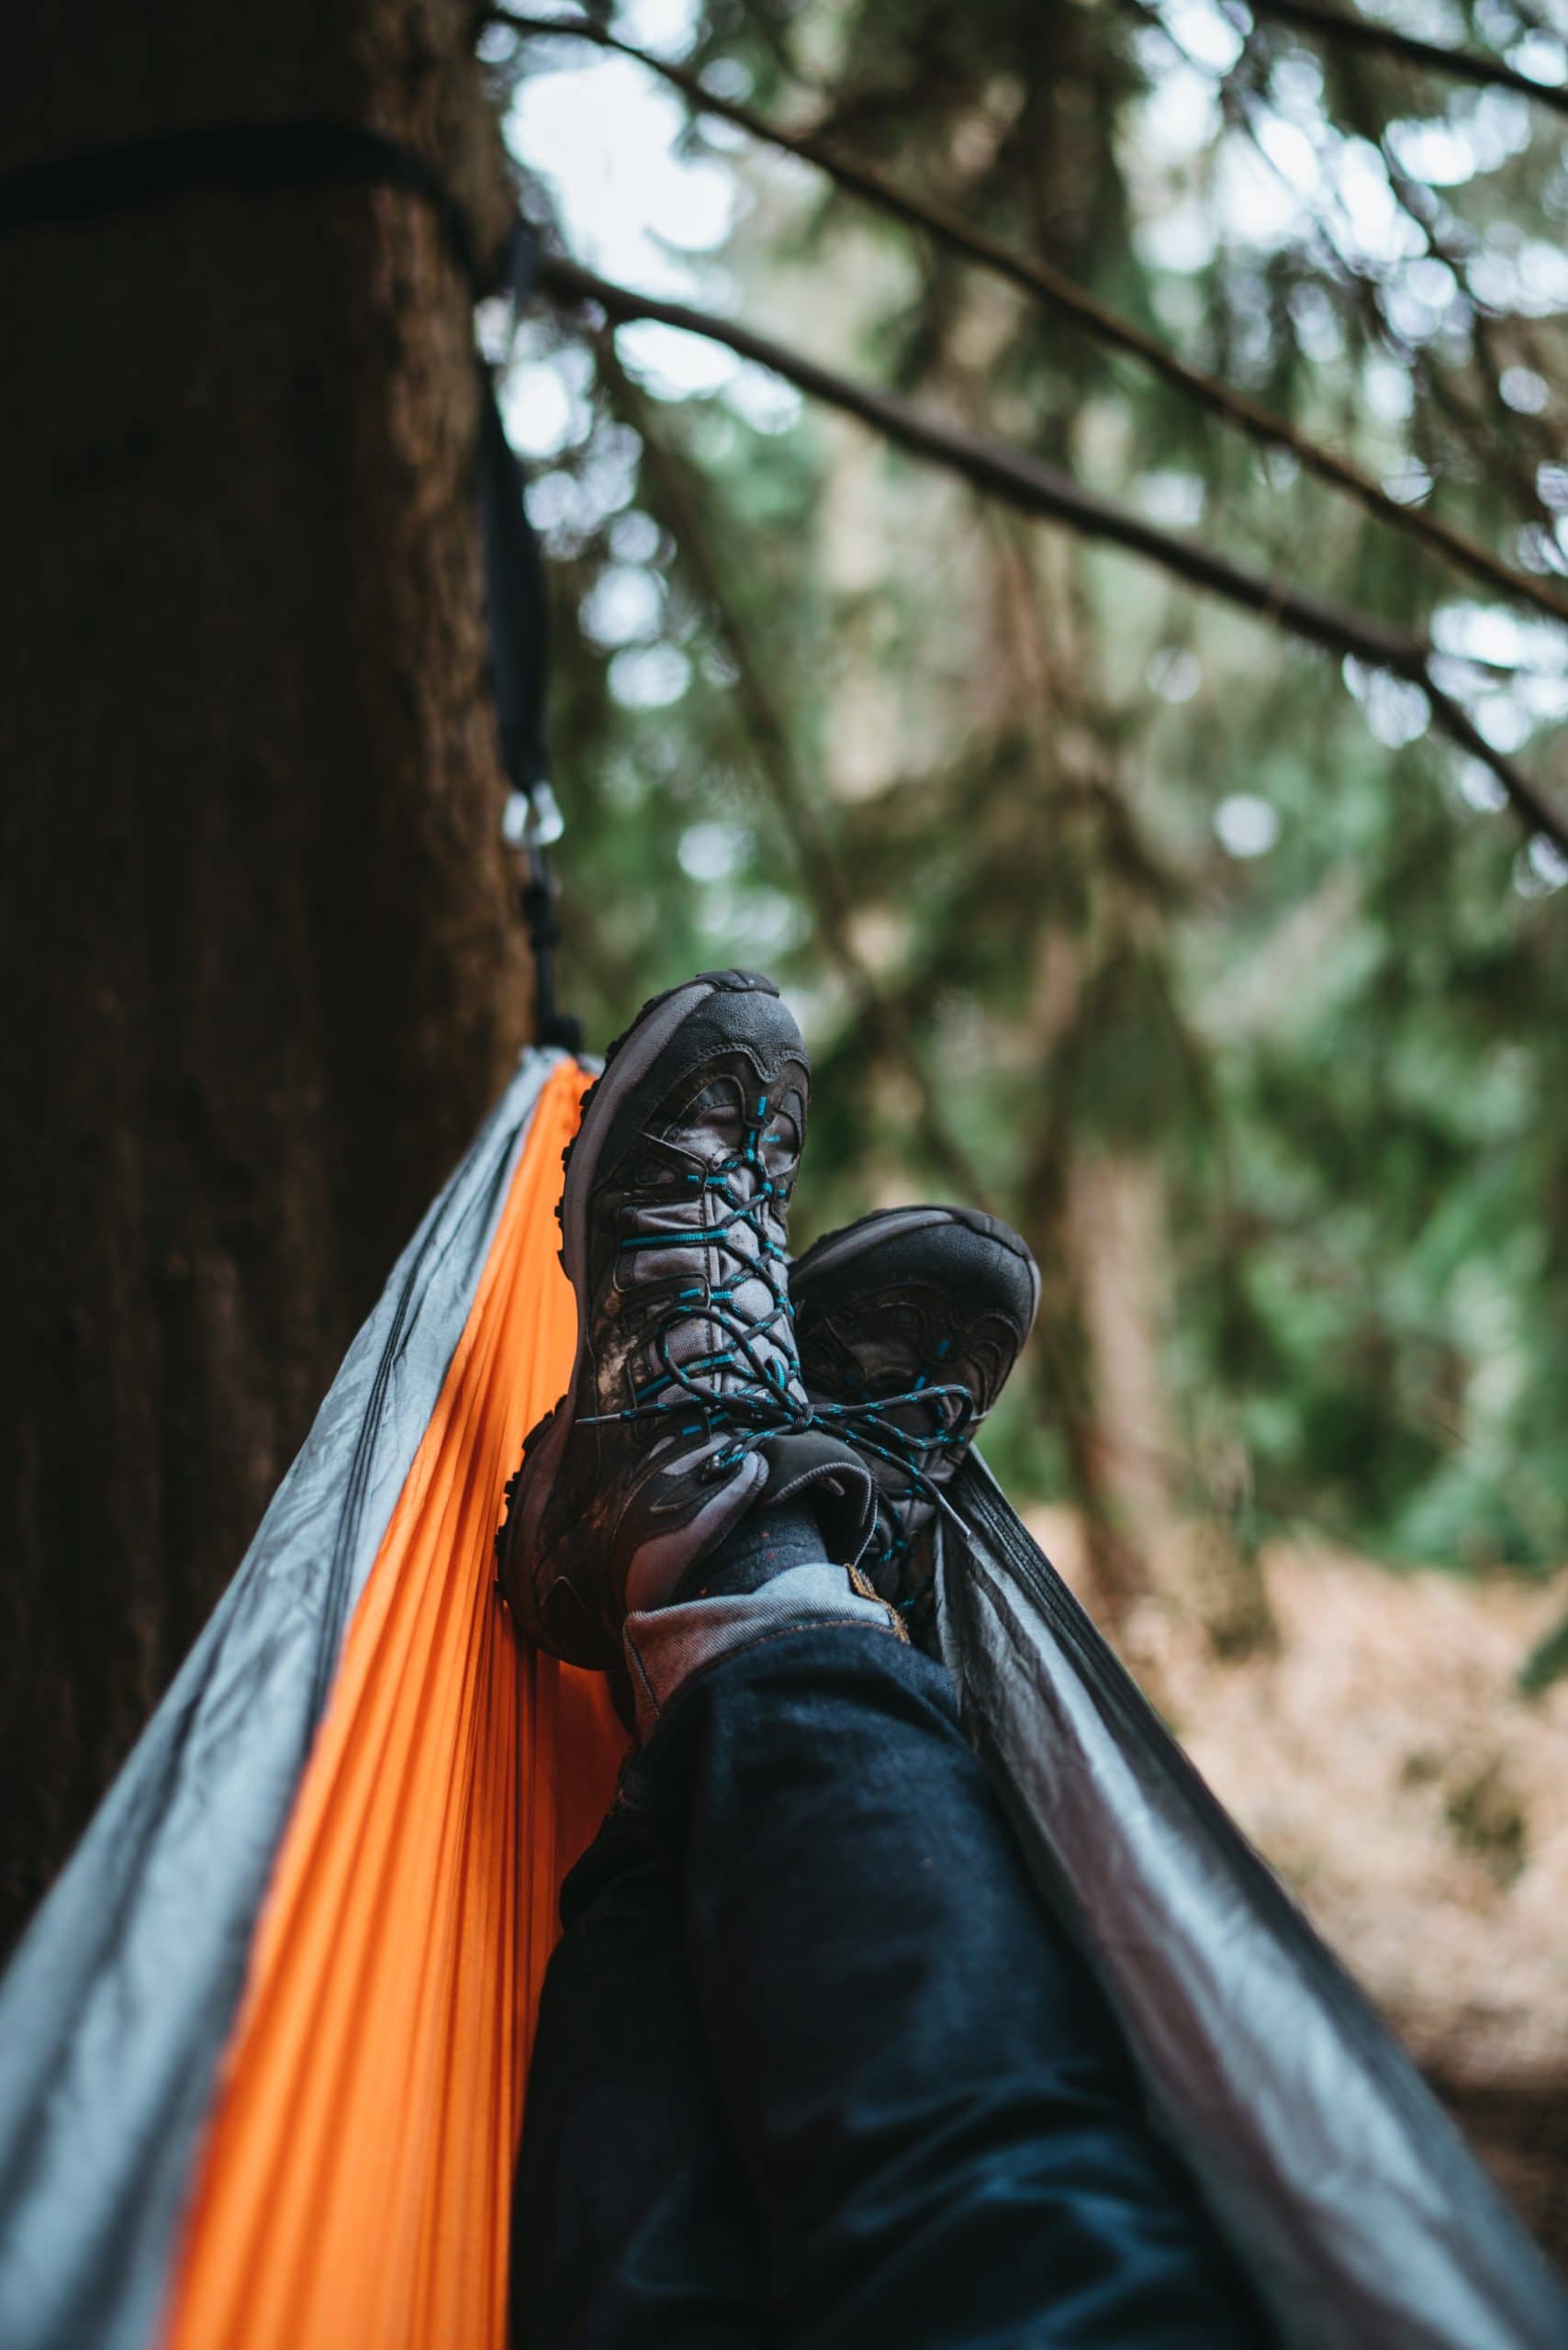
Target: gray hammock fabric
[[1361, 2215], [1346, 2193], [116, 2007]]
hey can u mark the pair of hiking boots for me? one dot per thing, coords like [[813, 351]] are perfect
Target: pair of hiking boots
[[712, 1376]]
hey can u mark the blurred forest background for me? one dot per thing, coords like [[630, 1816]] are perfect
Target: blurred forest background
[[1110, 663], [1206, 957]]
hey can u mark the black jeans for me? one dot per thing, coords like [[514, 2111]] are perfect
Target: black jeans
[[816, 2067]]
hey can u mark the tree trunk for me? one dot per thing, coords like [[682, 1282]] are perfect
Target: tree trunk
[[1116, 1231], [259, 968]]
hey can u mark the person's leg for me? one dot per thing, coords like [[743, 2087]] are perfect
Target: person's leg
[[929, 2093], [633, 2225], [632, 2220], [937, 2115]]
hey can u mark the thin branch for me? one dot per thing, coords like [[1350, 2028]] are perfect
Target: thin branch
[[833, 900], [1048, 285], [1239, 99], [1479, 430], [1035, 487], [1430, 56]]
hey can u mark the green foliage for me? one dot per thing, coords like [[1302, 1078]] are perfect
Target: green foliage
[[1062, 864]]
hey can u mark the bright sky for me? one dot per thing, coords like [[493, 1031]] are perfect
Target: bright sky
[[605, 136]]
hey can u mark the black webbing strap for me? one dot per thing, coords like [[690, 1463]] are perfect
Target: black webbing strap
[[323, 152], [519, 616], [515, 600], [314, 151]]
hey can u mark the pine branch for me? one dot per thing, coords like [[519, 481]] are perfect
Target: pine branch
[[1037, 489], [1049, 285], [1430, 56], [1493, 433], [832, 899], [1496, 454]]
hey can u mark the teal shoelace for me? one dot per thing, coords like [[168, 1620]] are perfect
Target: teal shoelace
[[868, 1425], [762, 1399], [759, 1353]]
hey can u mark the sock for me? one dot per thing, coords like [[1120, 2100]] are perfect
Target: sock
[[764, 1543]]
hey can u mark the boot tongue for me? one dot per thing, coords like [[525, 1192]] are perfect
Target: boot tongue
[[843, 1491]]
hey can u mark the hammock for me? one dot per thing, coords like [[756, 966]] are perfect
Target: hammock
[[264, 2046], [263, 2050]]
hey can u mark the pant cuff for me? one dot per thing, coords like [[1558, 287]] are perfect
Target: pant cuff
[[665, 1646]]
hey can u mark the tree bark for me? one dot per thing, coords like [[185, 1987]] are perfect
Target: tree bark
[[1117, 1232], [259, 968]]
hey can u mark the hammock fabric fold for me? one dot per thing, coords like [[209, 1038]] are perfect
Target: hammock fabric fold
[[262, 2052], [373, 2089]]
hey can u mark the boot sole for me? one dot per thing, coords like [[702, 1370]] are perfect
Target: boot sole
[[627, 1061]]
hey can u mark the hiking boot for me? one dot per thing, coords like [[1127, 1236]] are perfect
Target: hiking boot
[[686, 1408], [909, 1324]]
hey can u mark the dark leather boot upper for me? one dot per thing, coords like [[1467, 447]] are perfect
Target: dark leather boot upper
[[687, 1405], [909, 1324]]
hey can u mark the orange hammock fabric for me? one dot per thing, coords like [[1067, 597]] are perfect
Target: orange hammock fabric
[[355, 2180]]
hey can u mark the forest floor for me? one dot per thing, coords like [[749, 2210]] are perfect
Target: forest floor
[[1382, 1758]]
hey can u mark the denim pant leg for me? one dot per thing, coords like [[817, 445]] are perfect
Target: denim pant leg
[[633, 2227], [929, 2094]]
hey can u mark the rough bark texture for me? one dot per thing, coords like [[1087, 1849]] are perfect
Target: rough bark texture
[[259, 962]]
